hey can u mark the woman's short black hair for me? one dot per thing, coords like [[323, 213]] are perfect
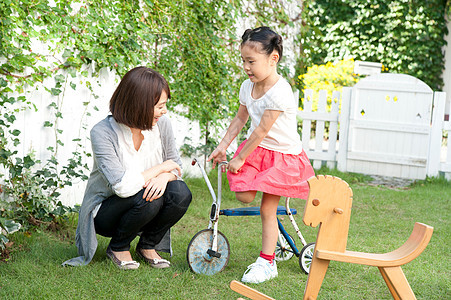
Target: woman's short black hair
[[133, 101], [268, 39]]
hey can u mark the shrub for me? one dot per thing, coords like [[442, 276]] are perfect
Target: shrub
[[6, 227], [406, 36], [330, 77]]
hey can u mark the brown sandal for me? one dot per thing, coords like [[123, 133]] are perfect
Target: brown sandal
[[158, 263], [124, 265]]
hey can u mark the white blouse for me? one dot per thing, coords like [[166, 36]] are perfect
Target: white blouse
[[150, 154], [283, 136]]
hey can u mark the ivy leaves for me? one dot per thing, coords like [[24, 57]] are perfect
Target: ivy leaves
[[405, 36], [192, 43]]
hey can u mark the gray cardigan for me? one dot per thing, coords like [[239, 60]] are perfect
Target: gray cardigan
[[108, 170]]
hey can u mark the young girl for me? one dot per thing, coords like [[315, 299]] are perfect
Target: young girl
[[271, 159]]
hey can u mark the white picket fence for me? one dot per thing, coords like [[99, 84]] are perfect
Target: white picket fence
[[80, 111], [320, 149], [319, 145], [445, 162], [324, 149]]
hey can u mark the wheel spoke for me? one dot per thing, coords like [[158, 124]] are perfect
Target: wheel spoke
[[199, 260], [306, 256], [283, 249]]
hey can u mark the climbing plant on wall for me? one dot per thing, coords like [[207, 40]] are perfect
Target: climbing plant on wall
[[405, 36], [178, 38], [193, 43]]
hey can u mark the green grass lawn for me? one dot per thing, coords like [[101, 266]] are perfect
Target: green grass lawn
[[381, 221]]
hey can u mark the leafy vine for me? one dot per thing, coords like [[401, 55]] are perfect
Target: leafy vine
[[405, 36], [56, 45]]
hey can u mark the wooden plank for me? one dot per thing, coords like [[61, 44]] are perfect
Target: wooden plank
[[308, 99], [320, 126], [249, 292], [390, 126], [414, 246], [307, 124], [396, 82], [388, 158], [435, 142], [333, 128], [344, 127], [296, 97], [384, 169], [445, 167], [409, 88], [321, 155], [323, 116], [382, 106], [393, 97]]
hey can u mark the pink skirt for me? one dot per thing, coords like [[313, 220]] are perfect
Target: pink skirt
[[273, 172]]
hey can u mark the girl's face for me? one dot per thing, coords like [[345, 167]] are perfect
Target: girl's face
[[160, 108], [258, 65]]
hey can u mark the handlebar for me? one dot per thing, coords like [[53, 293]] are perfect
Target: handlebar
[[219, 164]]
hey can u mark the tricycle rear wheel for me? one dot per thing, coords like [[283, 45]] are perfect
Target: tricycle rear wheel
[[283, 249], [306, 256]]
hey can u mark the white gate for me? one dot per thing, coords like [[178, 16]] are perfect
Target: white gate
[[390, 126], [320, 151]]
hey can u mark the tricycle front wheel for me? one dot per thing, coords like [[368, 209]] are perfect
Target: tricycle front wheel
[[200, 261]]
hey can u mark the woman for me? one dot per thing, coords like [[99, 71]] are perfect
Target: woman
[[135, 186]]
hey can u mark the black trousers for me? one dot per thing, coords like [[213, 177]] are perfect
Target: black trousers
[[123, 218]]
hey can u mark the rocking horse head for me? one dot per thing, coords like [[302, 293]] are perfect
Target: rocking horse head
[[329, 205]]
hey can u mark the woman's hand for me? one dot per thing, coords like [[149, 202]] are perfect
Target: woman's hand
[[155, 187], [165, 168], [218, 155], [235, 164], [169, 166]]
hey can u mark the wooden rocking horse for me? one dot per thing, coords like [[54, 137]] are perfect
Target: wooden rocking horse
[[329, 206]]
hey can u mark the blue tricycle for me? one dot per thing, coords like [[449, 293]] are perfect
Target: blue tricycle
[[209, 250]]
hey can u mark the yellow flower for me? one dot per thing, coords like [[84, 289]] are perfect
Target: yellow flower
[[329, 77]]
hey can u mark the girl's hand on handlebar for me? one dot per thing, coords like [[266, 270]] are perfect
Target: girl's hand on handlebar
[[235, 165], [218, 155]]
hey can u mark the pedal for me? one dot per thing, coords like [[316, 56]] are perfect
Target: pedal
[[213, 253]]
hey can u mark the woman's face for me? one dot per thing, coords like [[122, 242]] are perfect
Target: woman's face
[[160, 108]]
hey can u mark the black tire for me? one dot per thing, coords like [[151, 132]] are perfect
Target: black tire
[[306, 257]]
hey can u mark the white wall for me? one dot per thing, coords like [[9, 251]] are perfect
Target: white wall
[[76, 122]]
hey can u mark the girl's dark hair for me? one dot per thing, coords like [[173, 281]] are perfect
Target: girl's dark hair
[[133, 101], [268, 39]]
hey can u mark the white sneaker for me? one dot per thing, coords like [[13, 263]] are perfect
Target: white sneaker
[[260, 271]]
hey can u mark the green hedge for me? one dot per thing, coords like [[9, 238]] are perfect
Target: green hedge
[[406, 36]]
